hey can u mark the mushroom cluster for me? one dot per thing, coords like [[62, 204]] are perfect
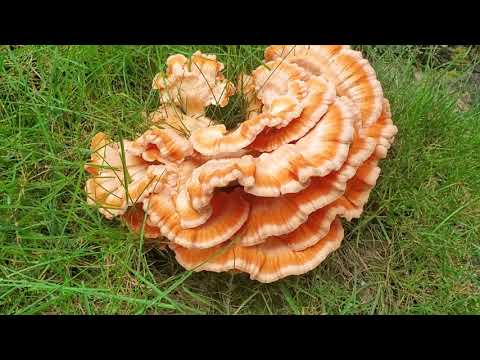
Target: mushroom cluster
[[267, 197]]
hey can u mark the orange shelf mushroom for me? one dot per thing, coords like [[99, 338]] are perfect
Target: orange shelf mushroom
[[268, 197], [193, 84]]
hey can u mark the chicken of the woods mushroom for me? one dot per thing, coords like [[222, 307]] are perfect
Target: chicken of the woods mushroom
[[268, 197]]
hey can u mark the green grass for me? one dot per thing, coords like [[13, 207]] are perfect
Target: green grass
[[415, 250]]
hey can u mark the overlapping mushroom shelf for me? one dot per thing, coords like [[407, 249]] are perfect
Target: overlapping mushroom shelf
[[266, 198]]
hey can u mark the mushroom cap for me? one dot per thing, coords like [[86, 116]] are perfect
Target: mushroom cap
[[352, 75], [275, 216], [163, 145], [281, 261], [193, 84], [113, 195], [321, 95], [134, 218], [358, 188], [293, 52], [281, 88], [314, 229], [215, 174], [356, 79], [171, 116], [383, 131], [105, 155], [229, 213], [100, 153], [188, 216], [115, 186], [268, 262], [323, 150], [283, 94]]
